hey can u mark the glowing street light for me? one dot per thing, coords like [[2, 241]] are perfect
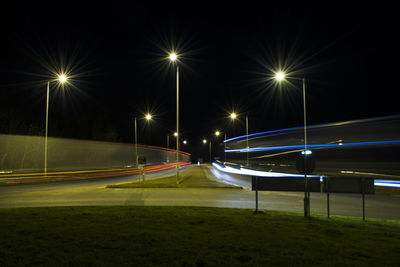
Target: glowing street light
[[233, 116], [209, 148], [218, 133], [280, 76], [62, 78], [148, 117], [173, 57]]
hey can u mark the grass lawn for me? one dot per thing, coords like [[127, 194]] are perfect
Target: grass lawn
[[192, 178], [165, 182], [187, 236]]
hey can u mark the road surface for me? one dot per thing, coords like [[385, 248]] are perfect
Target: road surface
[[94, 192]]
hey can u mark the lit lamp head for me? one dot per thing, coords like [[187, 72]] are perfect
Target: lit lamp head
[[204, 141], [217, 133], [233, 115], [62, 78], [175, 134], [173, 57], [279, 76], [148, 116]]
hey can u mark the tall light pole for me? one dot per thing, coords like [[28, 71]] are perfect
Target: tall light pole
[[247, 140], [136, 154], [148, 118], [62, 78], [218, 133], [233, 117], [280, 76], [173, 57], [225, 148], [209, 147]]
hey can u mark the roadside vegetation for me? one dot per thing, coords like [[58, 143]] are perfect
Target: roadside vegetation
[[187, 236]]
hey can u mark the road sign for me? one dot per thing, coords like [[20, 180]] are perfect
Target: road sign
[[142, 160]]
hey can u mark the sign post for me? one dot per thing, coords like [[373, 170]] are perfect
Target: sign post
[[141, 164]]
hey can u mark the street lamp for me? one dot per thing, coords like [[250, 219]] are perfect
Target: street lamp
[[217, 134], [280, 76], [148, 117], [174, 57], [233, 116], [209, 148], [62, 78], [247, 140], [175, 134]]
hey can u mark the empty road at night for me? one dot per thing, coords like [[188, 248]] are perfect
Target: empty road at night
[[215, 194]]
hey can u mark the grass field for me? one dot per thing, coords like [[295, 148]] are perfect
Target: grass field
[[170, 182], [186, 236]]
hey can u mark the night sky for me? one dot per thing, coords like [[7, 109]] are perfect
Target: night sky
[[116, 54]]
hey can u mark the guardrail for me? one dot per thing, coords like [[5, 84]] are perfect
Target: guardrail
[[273, 181], [324, 184]]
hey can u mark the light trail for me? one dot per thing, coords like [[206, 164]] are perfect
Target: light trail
[[387, 183], [82, 175], [250, 172], [313, 126], [293, 147]]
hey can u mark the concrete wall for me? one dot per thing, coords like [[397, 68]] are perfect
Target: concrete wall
[[26, 153]]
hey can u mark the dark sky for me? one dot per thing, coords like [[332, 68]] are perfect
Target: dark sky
[[116, 52]]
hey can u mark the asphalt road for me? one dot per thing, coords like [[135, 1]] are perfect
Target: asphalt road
[[94, 192]]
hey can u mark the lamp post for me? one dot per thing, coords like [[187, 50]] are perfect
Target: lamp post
[[217, 134], [62, 78], [148, 118], [247, 141], [225, 147], [173, 57], [209, 147], [233, 116], [280, 76]]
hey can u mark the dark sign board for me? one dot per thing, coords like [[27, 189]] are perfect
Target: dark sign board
[[142, 160], [283, 184], [334, 185]]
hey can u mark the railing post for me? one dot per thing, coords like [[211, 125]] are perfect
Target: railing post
[[256, 211], [327, 195], [363, 197]]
